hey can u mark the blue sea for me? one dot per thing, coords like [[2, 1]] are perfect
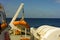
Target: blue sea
[[36, 22]]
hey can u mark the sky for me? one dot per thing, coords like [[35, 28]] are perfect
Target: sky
[[33, 8]]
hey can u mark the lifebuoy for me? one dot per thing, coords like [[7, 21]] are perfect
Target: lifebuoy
[[4, 25]]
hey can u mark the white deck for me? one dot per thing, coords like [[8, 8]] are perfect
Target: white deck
[[17, 37]]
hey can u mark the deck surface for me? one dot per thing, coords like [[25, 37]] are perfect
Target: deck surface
[[17, 37]]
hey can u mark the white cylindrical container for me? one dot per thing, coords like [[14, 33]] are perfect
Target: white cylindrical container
[[46, 32]]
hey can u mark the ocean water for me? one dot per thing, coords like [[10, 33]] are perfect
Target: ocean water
[[36, 22]]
